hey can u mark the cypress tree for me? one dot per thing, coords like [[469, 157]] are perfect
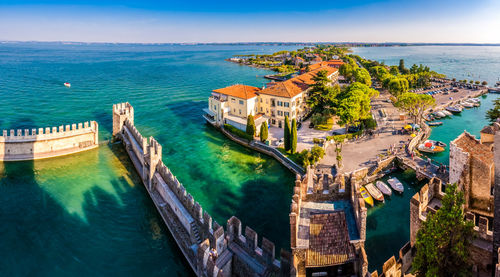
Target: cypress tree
[[263, 131], [286, 135], [293, 137], [250, 126], [402, 66]]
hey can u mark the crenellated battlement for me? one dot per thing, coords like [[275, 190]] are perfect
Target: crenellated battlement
[[30, 144], [48, 132], [205, 244]]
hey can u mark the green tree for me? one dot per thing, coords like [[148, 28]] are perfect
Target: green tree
[[347, 71], [250, 126], [443, 241], [317, 153], [398, 86], [401, 66], [471, 82], [477, 82], [322, 96], [493, 114], [264, 133], [363, 76], [415, 104], [394, 70], [293, 137], [484, 83], [286, 134]]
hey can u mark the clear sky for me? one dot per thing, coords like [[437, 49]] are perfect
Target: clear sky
[[459, 21]]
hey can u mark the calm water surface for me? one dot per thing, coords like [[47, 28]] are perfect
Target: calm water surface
[[461, 62], [88, 214]]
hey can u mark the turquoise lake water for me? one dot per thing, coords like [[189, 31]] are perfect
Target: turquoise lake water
[[88, 214]]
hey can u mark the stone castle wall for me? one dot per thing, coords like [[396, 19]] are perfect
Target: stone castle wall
[[31, 144], [209, 250]]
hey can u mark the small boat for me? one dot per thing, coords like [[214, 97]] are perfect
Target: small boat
[[476, 100], [67, 85], [430, 147], [466, 104], [447, 113], [435, 123], [366, 196], [429, 117], [396, 184], [439, 114], [454, 109], [374, 192], [384, 188]]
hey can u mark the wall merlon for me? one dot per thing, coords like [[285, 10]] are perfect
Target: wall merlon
[[251, 239], [207, 222]]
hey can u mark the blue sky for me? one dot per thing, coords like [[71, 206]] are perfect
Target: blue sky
[[251, 21]]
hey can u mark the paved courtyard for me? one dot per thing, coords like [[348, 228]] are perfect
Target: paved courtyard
[[365, 151]]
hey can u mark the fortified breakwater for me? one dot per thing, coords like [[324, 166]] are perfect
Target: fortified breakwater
[[209, 249], [21, 145]]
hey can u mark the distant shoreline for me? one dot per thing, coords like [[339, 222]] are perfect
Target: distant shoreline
[[346, 44]]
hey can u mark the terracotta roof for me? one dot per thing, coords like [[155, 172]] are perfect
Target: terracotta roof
[[330, 63], [488, 130], [468, 143], [240, 91], [292, 87], [329, 240]]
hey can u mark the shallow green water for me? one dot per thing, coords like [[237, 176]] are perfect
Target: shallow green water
[[88, 214], [388, 224]]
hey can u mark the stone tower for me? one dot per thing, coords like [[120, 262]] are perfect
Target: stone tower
[[151, 160], [122, 112]]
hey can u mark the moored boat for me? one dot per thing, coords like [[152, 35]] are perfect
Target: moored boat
[[439, 114], [396, 184], [454, 109], [432, 146], [385, 189], [366, 196], [467, 104], [447, 113], [435, 123], [374, 192], [67, 85]]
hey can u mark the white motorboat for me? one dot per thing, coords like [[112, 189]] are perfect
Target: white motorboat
[[439, 114], [68, 85], [383, 188], [466, 104], [454, 109], [447, 113], [396, 184]]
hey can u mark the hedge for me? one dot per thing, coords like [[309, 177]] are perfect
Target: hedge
[[238, 132]]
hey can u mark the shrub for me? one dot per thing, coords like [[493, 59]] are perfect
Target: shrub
[[369, 123], [484, 83], [238, 132], [318, 141], [316, 154]]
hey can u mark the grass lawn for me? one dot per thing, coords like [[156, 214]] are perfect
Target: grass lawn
[[294, 157], [325, 126]]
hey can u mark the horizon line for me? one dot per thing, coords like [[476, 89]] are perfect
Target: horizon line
[[262, 42]]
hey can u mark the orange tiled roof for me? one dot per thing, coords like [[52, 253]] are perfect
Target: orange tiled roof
[[240, 91], [329, 63], [471, 145], [292, 87], [329, 240]]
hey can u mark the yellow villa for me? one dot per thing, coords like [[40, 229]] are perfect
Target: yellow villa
[[233, 104]]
